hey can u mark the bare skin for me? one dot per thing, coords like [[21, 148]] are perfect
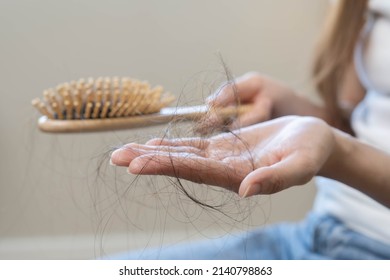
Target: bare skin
[[263, 158], [266, 157], [270, 99]]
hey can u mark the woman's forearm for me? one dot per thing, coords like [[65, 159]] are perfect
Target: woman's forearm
[[301, 106], [360, 166], [295, 104]]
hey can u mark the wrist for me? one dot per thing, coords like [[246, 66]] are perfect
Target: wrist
[[339, 157]]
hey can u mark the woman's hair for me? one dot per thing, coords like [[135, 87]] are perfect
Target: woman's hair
[[335, 50]]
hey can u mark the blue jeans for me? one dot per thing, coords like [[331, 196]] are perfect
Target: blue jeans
[[316, 237]]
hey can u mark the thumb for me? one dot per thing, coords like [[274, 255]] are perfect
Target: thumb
[[288, 172], [242, 89], [261, 111], [224, 96]]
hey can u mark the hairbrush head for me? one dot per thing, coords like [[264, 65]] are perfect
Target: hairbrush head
[[86, 101], [102, 98]]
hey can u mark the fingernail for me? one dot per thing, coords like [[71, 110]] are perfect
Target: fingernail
[[245, 194], [249, 190], [111, 163]]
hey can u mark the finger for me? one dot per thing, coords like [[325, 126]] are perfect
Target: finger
[[195, 142], [224, 96], [165, 148], [210, 124], [189, 167], [261, 112], [243, 89], [288, 172], [124, 155]]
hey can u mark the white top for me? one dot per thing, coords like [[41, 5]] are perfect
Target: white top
[[371, 123]]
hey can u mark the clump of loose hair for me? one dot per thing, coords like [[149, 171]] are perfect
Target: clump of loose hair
[[209, 125], [228, 205]]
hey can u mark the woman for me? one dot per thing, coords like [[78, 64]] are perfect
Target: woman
[[351, 211]]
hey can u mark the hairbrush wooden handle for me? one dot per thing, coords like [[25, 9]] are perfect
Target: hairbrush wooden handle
[[166, 115]]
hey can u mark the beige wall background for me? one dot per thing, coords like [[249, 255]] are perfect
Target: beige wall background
[[53, 201]]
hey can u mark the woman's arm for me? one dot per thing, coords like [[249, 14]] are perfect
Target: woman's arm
[[272, 99], [360, 166]]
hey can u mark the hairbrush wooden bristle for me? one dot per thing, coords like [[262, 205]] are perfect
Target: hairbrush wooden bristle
[[110, 104]]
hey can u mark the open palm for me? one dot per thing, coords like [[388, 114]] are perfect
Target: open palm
[[260, 159]]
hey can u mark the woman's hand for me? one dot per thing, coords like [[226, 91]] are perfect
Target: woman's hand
[[270, 99], [260, 159], [262, 92]]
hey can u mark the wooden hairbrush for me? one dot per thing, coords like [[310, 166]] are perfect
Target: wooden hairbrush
[[106, 104]]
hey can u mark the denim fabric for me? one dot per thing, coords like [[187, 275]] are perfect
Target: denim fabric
[[316, 237]]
